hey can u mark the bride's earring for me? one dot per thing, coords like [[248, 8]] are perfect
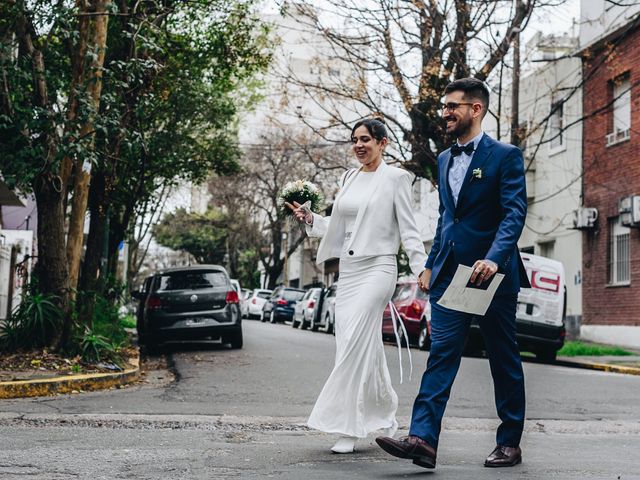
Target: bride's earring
[[344, 445]]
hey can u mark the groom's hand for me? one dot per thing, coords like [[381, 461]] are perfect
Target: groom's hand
[[483, 270], [424, 279]]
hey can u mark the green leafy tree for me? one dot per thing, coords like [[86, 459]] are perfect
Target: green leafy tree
[[215, 237], [203, 236], [180, 113], [129, 96]]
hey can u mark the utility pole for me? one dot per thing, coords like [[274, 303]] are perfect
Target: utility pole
[[515, 91]]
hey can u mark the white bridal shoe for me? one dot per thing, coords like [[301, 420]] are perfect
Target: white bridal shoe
[[344, 445]]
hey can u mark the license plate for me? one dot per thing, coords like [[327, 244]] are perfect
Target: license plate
[[194, 321]]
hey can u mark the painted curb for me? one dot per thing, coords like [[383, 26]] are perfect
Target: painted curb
[[603, 367], [69, 384]]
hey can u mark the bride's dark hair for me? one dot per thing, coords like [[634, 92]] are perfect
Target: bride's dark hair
[[375, 127]]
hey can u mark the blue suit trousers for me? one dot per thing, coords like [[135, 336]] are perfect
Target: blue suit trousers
[[449, 330]]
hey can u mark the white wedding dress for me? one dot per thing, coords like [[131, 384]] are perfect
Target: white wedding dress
[[358, 397]]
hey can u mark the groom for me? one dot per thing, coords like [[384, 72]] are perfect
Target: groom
[[483, 204]]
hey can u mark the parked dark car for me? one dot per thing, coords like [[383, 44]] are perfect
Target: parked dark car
[[306, 311], [190, 303], [415, 312], [141, 296], [279, 307]]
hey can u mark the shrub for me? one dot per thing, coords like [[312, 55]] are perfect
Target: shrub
[[98, 348], [32, 323]]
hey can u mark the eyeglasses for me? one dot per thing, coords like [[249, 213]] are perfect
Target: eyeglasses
[[452, 106]]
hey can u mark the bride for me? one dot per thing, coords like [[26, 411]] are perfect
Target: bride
[[371, 216]]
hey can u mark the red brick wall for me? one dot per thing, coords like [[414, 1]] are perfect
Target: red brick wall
[[609, 173]]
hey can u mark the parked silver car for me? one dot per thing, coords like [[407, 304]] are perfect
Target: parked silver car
[[326, 316], [256, 301], [244, 302], [305, 314]]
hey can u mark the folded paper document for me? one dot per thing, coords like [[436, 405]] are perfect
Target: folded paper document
[[464, 298]]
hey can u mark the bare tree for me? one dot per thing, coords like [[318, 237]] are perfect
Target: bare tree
[[404, 53], [277, 157]]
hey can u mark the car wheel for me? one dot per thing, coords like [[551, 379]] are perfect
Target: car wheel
[[546, 355], [303, 323], [272, 317], [424, 341], [263, 318], [235, 339]]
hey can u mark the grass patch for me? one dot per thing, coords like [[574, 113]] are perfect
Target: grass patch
[[573, 349]]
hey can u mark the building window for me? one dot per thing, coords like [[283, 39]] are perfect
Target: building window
[[620, 89], [618, 253], [556, 135]]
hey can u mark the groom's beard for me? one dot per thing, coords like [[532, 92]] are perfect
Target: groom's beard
[[461, 128]]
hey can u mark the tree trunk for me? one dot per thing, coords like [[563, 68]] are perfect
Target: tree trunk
[[92, 279], [51, 266], [425, 132], [82, 177]]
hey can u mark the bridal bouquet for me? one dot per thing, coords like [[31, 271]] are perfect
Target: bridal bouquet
[[300, 191]]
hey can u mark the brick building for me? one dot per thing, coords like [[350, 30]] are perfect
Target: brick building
[[611, 179]]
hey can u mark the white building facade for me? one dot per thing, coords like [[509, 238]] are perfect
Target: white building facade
[[549, 114]]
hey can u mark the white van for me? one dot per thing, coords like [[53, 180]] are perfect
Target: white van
[[541, 310]]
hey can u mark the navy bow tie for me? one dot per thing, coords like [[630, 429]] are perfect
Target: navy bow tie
[[457, 149]]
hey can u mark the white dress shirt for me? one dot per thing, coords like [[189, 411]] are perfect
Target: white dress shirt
[[460, 166]]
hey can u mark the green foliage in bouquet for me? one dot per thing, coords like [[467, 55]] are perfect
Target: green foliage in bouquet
[[300, 191]]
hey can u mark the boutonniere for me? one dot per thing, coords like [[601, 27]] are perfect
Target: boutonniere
[[477, 173]]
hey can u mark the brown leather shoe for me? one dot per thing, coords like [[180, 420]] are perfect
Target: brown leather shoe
[[504, 457], [412, 447]]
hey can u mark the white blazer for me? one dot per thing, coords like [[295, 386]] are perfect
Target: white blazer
[[382, 222]]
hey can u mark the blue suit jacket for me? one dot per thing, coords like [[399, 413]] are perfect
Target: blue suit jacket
[[489, 216]]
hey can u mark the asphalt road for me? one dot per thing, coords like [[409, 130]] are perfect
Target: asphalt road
[[224, 413]]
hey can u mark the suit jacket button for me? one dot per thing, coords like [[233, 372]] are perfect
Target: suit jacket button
[[457, 220], [350, 252]]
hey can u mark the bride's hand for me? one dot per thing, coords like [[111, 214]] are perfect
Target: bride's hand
[[302, 214]]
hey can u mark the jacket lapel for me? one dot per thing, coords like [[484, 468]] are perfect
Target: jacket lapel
[[375, 183], [444, 180], [479, 158]]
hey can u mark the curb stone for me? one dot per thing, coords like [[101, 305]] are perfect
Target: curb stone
[[603, 367], [70, 384]]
